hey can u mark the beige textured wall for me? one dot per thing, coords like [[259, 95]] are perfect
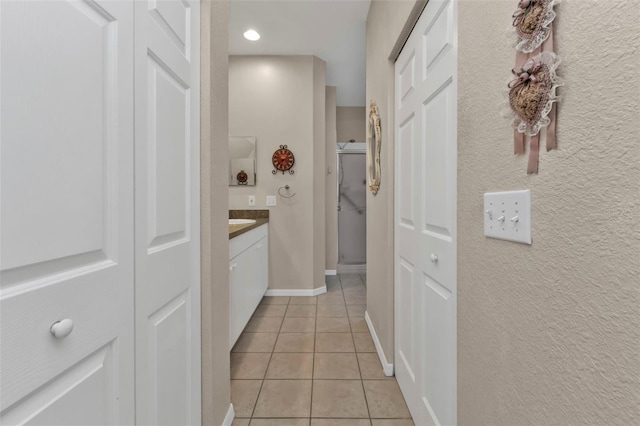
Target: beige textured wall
[[319, 169], [351, 123], [272, 98], [384, 24], [331, 182], [213, 199], [548, 333]]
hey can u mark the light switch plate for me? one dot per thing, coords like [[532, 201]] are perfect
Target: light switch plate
[[507, 215], [271, 200], [252, 200]]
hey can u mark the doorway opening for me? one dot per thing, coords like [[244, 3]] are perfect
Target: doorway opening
[[352, 208]]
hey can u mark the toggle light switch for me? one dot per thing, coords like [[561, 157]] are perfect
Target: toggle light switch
[[515, 205]]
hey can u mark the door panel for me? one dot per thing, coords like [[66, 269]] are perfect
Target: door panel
[[406, 293], [58, 101], [426, 167], [168, 176], [173, 18], [438, 35], [83, 395], [66, 208], [170, 360], [167, 212], [437, 208], [406, 187], [407, 78]]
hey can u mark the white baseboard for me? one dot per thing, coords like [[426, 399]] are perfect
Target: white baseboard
[[228, 419], [296, 292], [352, 269], [330, 272], [386, 366]]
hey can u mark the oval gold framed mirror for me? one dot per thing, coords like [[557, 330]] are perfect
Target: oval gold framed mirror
[[374, 144]]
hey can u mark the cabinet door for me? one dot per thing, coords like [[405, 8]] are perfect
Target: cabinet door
[[239, 310], [248, 278], [66, 209], [262, 260], [256, 279]]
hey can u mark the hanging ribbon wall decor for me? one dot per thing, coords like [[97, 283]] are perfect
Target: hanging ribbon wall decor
[[533, 87]]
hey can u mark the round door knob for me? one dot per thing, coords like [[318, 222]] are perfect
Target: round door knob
[[61, 329], [434, 258]]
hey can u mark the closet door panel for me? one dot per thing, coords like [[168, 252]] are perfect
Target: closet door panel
[[66, 213], [167, 219]]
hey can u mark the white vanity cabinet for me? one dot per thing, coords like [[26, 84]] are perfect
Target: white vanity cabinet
[[248, 277]]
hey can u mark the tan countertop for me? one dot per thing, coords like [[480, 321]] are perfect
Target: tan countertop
[[235, 230]]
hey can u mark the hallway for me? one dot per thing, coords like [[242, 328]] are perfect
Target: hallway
[[311, 361]]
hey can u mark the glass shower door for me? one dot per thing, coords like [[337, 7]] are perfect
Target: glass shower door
[[352, 209]]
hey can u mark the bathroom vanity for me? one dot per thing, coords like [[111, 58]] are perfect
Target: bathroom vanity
[[248, 272]]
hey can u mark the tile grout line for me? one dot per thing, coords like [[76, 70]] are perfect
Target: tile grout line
[[313, 362], [268, 364], [314, 352], [364, 393]]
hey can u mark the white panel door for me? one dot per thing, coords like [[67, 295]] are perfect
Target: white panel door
[[167, 178], [425, 216], [66, 212]]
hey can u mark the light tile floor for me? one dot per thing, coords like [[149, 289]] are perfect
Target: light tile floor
[[310, 361]]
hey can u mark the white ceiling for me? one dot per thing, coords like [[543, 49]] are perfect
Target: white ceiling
[[333, 30]]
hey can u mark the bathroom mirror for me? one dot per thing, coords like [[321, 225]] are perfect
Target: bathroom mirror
[[242, 161], [374, 144]]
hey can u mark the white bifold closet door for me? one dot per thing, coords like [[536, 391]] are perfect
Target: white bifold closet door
[[167, 225], [79, 246], [425, 219], [66, 205]]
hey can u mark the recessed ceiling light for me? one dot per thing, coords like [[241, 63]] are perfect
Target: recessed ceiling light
[[251, 35]]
